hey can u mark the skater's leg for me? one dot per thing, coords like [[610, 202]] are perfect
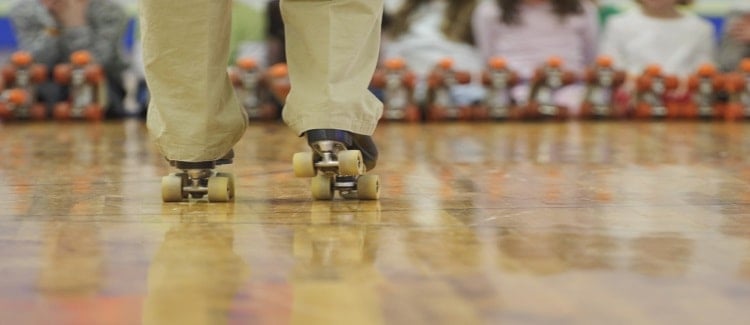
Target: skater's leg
[[193, 115], [332, 52]]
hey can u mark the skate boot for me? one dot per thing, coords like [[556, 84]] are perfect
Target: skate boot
[[338, 162], [197, 180]]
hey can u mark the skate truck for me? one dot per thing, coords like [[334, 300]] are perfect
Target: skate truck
[[252, 90], [21, 78], [738, 91], [603, 82], [86, 86], [396, 84], [441, 81], [546, 81], [654, 94], [704, 88], [498, 80]]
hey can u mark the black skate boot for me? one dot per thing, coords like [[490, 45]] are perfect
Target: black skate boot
[[198, 179], [338, 163]]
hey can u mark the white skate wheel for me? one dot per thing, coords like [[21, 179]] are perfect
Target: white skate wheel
[[218, 189], [321, 187], [171, 188], [303, 164], [368, 187], [231, 182], [351, 163]]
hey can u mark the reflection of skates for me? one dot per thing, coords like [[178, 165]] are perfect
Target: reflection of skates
[[337, 163], [198, 179]]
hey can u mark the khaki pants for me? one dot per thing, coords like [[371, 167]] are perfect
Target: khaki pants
[[332, 49]]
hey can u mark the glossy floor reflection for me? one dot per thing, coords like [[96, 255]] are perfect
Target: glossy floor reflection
[[520, 223]]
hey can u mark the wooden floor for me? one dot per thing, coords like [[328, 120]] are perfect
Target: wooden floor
[[504, 223]]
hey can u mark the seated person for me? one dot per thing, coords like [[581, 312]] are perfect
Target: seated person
[[423, 32], [735, 41], [53, 29]]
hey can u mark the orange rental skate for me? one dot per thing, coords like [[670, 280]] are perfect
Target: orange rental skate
[[86, 88], [252, 90], [603, 82], [653, 90], [21, 78], [704, 86], [441, 104], [498, 80], [277, 79], [738, 89], [546, 81], [397, 84]]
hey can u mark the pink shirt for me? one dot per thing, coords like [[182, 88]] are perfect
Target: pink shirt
[[540, 35]]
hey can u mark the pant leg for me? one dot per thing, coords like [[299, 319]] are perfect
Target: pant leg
[[332, 52], [193, 112]]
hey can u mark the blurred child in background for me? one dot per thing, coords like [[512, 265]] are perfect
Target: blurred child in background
[[527, 32], [735, 41], [659, 32], [423, 32]]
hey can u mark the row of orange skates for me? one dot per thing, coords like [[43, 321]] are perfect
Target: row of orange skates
[[706, 94], [710, 94], [21, 78]]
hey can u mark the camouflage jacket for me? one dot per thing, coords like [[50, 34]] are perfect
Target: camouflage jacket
[[731, 52], [38, 32]]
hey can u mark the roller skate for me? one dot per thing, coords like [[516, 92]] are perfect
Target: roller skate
[[546, 82], [441, 104], [21, 78], [338, 162], [251, 87], [654, 97], [498, 80], [16, 103], [86, 88], [704, 86], [198, 179], [397, 83], [602, 84], [277, 81], [737, 87]]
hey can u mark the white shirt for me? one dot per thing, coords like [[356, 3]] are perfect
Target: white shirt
[[424, 44], [678, 45]]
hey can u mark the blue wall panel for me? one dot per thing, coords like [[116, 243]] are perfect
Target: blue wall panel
[[7, 38]]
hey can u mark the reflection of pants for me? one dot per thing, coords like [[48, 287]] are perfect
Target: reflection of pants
[[194, 114]]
